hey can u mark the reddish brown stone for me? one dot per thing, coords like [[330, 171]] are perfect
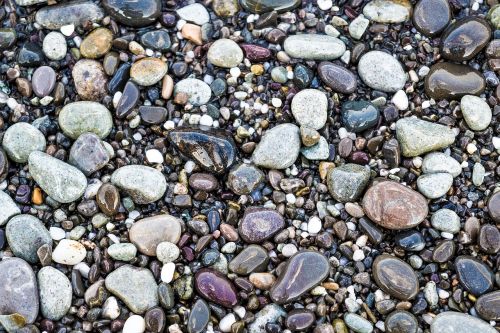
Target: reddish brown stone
[[394, 206], [256, 53]]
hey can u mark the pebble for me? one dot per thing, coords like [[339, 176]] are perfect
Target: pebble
[[417, 137], [14, 273], [25, 235], [244, 178], [77, 12], [431, 17], [259, 224], [434, 185], [309, 107], [488, 306], [198, 317], [111, 308], [108, 199], [304, 271], [455, 322], [167, 272], [437, 162], [55, 293], [149, 232], [97, 43], [216, 288], [381, 71], [270, 313], [20, 140], [167, 252], [205, 181], [227, 322], [225, 8], [9, 208], [494, 206], [347, 182], [148, 71], [395, 277], [122, 251], [224, 53], [388, 11], [478, 173], [198, 92], [476, 112], [136, 287], [358, 116], [473, 275], [30, 55], [158, 40], [489, 239], [299, 320], [401, 321], [337, 77], [69, 252], [134, 324], [278, 148], [88, 153], [195, 13], [452, 81], [357, 323], [8, 37], [446, 220], [89, 79], [43, 81], [71, 182], [314, 47], [253, 258], [465, 38], [320, 151], [54, 46], [144, 184], [133, 13], [78, 118], [410, 240]]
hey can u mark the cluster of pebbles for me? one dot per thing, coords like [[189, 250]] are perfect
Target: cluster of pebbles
[[250, 166]]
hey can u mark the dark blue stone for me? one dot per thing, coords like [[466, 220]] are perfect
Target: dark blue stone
[[411, 240]]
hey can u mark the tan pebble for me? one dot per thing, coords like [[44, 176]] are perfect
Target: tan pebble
[[263, 281], [354, 210], [167, 87], [192, 32]]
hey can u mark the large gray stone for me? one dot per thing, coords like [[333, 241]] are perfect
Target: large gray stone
[[434, 185], [75, 12], [144, 184], [309, 107], [198, 92], [9, 208], [81, 117], [63, 182], [225, 53], [278, 148], [196, 13], [55, 293], [381, 71], [314, 47], [25, 234], [476, 112], [20, 140], [455, 322]]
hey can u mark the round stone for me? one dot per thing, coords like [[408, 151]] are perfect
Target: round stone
[[476, 112], [347, 182], [446, 220], [134, 324], [43, 81], [215, 287], [465, 38], [494, 206], [203, 182], [97, 43], [278, 148], [259, 224], [69, 252], [25, 235], [434, 185], [167, 252], [418, 136], [55, 293], [244, 178], [431, 17], [401, 321], [20, 140], [157, 40], [439, 162], [388, 11], [314, 47], [309, 107], [149, 232], [452, 81], [122, 251], [456, 322], [474, 275], [54, 46], [90, 80], [358, 116], [148, 71], [198, 92], [395, 277], [132, 12], [144, 184], [488, 306], [337, 77], [381, 71], [81, 117], [225, 53]]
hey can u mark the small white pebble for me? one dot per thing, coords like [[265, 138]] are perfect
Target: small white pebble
[[57, 233], [325, 4], [134, 324], [67, 30], [358, 255], [400, 100], [277, 103], [314, 225], [290, 198], [235, 72], [167, 272], [226, 322], [289, 250], [154, 156], [206, 120]]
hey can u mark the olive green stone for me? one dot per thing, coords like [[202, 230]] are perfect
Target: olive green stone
[[97, 43]]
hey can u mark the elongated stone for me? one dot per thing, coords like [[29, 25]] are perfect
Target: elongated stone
[[338, 78], [488, 306], [213, 150], [465, 38], [453, 81], [473, 275], [251, 259], [144, 184], [259, 224], [25, 235], [314, 47], [74, 12], [198, 317], [133, 13], [55, 293], [264, 6], [147, 233], [80, 117], [395, 277], [388, 11], [303, 271], [455, 322], [215, 287]]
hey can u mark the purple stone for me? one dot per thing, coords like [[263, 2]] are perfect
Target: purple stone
[[216, 288], [259, 224], [256, 53], [23, 194]]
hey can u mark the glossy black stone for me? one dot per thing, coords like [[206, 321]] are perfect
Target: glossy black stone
[[358, 116], [411, 240], [134, 13], [128, 101], [120, 78]]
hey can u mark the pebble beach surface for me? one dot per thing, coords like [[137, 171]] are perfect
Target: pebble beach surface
[[249, 166]]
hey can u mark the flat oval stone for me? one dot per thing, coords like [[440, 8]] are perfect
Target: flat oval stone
[[89, 79], [244, 178], [259, 224], [195, 13], [43, 81], [147, 233], [476, 112], [430, 17], [88, 153], [443, 251], [74, 12], [358, 116], [134, 13], [153, 115], [25, 235], [456, 322], [55, 46], [339, 78], [148, 71], [347, 182], [63, 182], [355, 322], [135, 286], [251, 259], [303, 271], [489, 239], [213, 150], [309, 107], [418, 136], [453, 81], [18, 290], [215, 287], [388, 11], [69, 252], [203, 182], [264, 6], [381, 71], [395, 277], [108, 199], [81, 117], [278, 148], [465, 38], [474, 275], [55, 293], [198, 92], [97, 43], [401, 321], [21, 139], [144, 184], [494, 206], [434, 185], [299, 319], [314, 47], [198, 317], [9, 208], [225, 53], [488, 306], [157, 40]]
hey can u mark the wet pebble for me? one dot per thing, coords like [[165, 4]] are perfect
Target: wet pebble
[[144, 184], [149, 232], [395, 277], [279, 147], [55, 293], [473, 275]]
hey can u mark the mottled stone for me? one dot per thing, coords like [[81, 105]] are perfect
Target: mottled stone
[[456, 322], [251, 259], [213, 150], [434, 185], [20, 140], [309, 107], [299, 319], [278, 148], [264, 6], [314, 47], [198, 317], [358, 116], [122, 251], [144, 184], [452, 81], [244, 178], [256, 53], [25, 234], [18, 290], [69, 252], [418, 136], [9, 208], [347, 182], [356, 323], [88, 153], [74, 12], [401, 321], [136, 287], [97, 43], [89, 79], [319, 151], [444, 251], [465, 38], [158, 40], [430, 17], [381, 71], [488, 306], [4, 168], [388, 11], [410, 240], [198, 92], [147, 233], [55, 293], [54, 46], [225, 8], [395, 277], [134, 13], [203, 182], [216, 288], [337, 77], [80, 117], [474, 275], [446, 220], [225, 53], [148, 71], [259, 224], [489, 239], [303, 271], [476, 112], [494, 206], [8, 37]]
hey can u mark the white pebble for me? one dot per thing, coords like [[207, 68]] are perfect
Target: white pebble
[[57, 233], [289, 250], [134, 324], [226, 322], [314, 225], [325, 4], [206, 120], [167, 272], [154, 156], [400, 100], [358, 255], [67, 30]]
